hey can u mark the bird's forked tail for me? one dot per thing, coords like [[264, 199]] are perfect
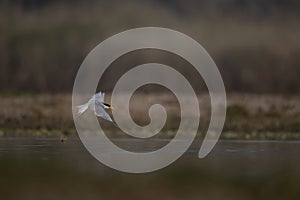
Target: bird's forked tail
[[82, 108]]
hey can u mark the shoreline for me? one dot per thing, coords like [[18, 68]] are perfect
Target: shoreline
[[230, 135], [248, 116]]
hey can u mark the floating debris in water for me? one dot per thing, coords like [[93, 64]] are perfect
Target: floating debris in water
[[63, 138]]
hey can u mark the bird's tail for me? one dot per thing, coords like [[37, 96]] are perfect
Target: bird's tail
[[82, 108]]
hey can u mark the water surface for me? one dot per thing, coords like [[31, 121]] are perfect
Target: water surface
[[45, 168]]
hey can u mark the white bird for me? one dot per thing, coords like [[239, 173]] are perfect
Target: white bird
[[96, 104]]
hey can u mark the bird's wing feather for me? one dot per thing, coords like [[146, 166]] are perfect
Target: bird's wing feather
[[99, 97], [100, 112]]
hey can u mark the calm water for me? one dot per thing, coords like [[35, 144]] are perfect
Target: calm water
[[35, 168]]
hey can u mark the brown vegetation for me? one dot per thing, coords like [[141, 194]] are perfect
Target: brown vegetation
[[248, 116]]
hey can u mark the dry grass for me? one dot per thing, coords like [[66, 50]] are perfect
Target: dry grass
[[248, 116]]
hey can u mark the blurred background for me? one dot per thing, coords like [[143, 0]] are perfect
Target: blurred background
[[256, 46], [254, 43]]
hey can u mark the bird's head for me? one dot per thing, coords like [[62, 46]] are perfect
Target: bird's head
[[107, 106]]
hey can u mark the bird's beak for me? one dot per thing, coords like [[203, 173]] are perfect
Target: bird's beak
[[111, 107]]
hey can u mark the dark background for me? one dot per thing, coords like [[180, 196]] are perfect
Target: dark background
[[254, 43]]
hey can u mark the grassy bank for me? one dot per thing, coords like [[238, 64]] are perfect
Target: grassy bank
[[248, 116]]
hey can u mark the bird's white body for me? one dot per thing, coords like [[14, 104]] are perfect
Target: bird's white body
[[97, 105]]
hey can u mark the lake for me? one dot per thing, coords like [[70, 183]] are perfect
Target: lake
[[45, 168]]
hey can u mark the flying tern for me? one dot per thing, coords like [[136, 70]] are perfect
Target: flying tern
[[97, 105]]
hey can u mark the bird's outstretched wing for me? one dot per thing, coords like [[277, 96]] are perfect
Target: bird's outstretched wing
[[99, 97], [100, 112]]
